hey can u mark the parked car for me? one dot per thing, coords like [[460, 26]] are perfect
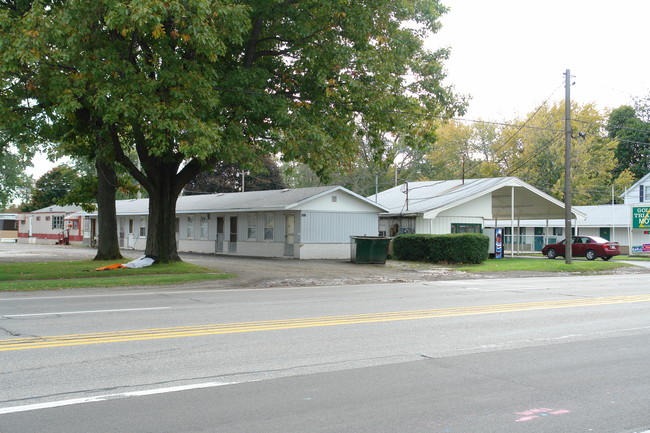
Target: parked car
[[584, 246]]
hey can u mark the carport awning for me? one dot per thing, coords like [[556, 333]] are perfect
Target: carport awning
[[510, 198], [528, 204]]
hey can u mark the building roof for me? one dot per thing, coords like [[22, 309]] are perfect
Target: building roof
[[429, 198], [605, 215], [282, 199], [55, 208]]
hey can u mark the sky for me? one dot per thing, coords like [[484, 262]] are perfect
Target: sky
[[510, 56]]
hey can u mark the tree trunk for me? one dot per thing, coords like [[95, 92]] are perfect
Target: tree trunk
[[164, 182], [161, 233], [108, 247]]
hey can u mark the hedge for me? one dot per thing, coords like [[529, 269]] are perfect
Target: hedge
[[451, 248]]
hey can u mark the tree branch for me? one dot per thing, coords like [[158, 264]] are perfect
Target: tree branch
[[121, 157]]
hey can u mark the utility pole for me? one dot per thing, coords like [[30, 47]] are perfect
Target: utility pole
[[567, 168]]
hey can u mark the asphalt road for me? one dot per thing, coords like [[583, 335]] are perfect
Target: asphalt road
[[536, 355]]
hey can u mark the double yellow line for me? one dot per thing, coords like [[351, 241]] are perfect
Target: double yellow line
[[272, 325]]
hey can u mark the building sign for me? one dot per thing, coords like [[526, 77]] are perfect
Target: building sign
[[640, 217], [638, 249]]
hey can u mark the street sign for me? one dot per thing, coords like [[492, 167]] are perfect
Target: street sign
[[640, 217]]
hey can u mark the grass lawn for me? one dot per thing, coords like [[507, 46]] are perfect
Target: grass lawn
[[510, 264], [67, 275]]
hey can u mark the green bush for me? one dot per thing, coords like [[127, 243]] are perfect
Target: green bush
[[451, 248]]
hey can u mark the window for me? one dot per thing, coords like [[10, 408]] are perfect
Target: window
[[143, 227], [252, 226], [641, 193], [269, 224], [557, 231], [204, 227], [190, 227], [57, 222], [465, 228]]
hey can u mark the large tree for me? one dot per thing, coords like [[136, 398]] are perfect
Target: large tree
[[188, 84], [14, 183], [51, 188], [541, 150], [235, 178], [633, 136]]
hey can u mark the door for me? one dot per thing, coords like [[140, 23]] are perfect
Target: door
[[579, 247], [122, 232], [232, 240], [539, 238], [289, 234], [220, 236], [131, 235], [605, 232]]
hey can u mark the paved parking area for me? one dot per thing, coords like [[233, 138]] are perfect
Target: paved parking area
[[264, 272]]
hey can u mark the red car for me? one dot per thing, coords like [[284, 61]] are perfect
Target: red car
[[584, 246]]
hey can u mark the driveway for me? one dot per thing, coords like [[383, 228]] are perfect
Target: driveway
[[255, 272]]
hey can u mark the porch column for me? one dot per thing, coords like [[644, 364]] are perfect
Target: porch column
[[512, 221]]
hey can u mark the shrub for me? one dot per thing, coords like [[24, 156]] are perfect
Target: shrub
[[451, 248]]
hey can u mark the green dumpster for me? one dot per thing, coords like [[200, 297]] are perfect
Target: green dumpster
[[369, 249]]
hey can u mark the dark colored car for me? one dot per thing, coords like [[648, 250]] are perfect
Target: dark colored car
[[584, 246]]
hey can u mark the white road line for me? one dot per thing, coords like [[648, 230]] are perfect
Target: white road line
[[61, 313], [98, 398]]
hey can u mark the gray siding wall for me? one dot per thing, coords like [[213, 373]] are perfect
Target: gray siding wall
[[327, 227]]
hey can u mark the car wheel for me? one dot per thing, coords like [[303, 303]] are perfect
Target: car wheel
[[591, 255], [607, 258], [551, 254]]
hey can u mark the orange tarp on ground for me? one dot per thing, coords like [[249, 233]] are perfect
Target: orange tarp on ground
[[110, 267]]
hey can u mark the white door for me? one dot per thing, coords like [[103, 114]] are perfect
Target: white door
[[289, 234]]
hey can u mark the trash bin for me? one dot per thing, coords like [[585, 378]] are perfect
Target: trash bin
[[369, 249]]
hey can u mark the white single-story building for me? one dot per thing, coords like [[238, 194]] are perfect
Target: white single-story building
[[606, 221], [614, 222], [465, 206], [302, 223]]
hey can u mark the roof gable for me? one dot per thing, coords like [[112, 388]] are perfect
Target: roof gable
[[429, 198]]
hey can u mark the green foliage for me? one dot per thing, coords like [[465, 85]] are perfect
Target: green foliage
[[187, 84], [450, 248], [51, 188], [633, 136], [233, 177], [412, 247], [14, 183]]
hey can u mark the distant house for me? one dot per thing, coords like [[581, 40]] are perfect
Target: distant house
[[639, 193], [637, 199], [302, 223], [8, 227], [52, 225]]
